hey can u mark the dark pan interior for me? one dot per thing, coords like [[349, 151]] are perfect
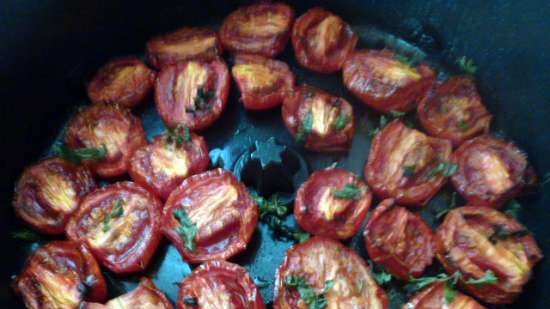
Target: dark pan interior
[[49, 48]]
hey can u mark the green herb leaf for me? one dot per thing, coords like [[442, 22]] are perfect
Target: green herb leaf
[[285, 231], [178, 135], [25, 235], [406, 60], [441, 213], [271, 206], [409, 170], [348, 192], [512, 208], [467, 65], [115, 212], [305, 128], [422, 282], [384, 121], [382, 277], [450, 293], [307, 293], [341, 121], [397, 114], [187, 229], [450, 283], [203, 98], [76, 156], [463, 125], [488, 278], [447, 169]]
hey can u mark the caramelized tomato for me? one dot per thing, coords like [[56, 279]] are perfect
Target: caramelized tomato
[[433, 297], [322, 40], [120, 223]]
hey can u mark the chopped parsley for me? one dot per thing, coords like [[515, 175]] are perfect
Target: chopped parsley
[[348, 192], [384, 121], [271, 206], [305, 128], [380, 275], [203, 97], [463, 125], [187, 229], [341, 121], [446, 169], [307, 293], [488, 278], [116, 212], [76, 156], [178, 135]]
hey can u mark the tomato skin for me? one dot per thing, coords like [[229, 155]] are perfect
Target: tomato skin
[[65, 269], [407, 249], [225, 232], [49, 191], [433, 297], [136, 230], [176, 92], [219, 278], [468, 241], [385, 84], [339, 222], [248, 29], [268, 88], [322, 40], [407, 147], [124, 81]]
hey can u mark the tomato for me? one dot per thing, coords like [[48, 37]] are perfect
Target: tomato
[[162, 165], [219, 209], [319, 260], [49, 191], [120, 223], [115, 128], [318, 119], [433, 297], [262, 28], [193, 94], [324, 207], [124, 81], [219, 284], [322, 40], [263, 82], [60, 274], [188, 43], [384, 83], [404, 164], [475, 240], [407, 248]]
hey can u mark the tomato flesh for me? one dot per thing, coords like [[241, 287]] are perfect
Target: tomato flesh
[[433, 297]]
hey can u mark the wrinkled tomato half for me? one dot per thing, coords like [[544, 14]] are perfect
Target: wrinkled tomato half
[[188, 43], [433, 297], [120, 223], [319, 120], [262, 28], [475, 240], [384, 83], [60, 274], [219, 284], [49, 191], [406, 164], [218, 208], [124, 81], [405, 249], [263, 82], [332, 203], [109, 126], [321, 260], [192, 94], [322, 40]]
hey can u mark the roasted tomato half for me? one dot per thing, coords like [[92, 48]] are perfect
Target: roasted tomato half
[[405, 249], [189, 43], [210, 216], [407, 165], [332, 203], [125, 81], [475, 240], [330, 270], [109, 126], [384, 83], [192, 94], [491, 171], [262, 28], [263, 82], [49, 191], [322, 40], [172, 157], [433, 297], [61, 274], [120, 223], [219, 284], [319, 120]]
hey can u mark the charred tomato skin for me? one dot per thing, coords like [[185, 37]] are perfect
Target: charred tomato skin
[[318, 212], [433, 297], [221, 279]]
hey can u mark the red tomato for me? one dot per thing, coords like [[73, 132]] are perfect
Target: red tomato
[[433, 297], [164, 164], [262, 28], [221, 211], [475, 240], [319, 260], [320, 120], [61, 274], [110, 126], [120, 223], [403, 164], [188, 43], [219, 284], [263, 82], [49, 191], [322, 40], [407, 248], [382, 82], [193, 94], [124, 81], [324, 207]]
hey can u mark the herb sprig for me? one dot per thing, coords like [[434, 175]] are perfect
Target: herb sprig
[[384, 120], [187, 229], [76, 156], [116, 212], [307, 293]]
